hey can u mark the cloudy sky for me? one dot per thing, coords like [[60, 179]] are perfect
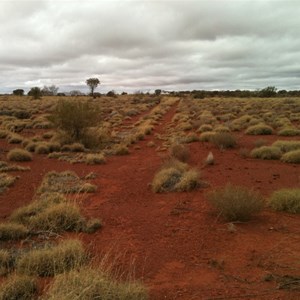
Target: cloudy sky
[[149, 44]]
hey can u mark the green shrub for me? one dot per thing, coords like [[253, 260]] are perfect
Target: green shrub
[[11, 231], [88, 283], [47, 261], [75, 117], [266, 152], [236, 203], [18, 287], [291, 157], [286, 146], [259, 129], [18, 154], [286, 200], [223, 140]]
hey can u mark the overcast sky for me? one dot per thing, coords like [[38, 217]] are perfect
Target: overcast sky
[[147, 44]]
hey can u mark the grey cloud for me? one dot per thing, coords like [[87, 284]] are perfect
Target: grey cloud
[[136, 45]]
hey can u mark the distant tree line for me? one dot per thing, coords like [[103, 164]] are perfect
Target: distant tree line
[[267, 92]]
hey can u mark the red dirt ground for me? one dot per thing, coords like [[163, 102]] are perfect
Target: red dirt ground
[[180, 249]]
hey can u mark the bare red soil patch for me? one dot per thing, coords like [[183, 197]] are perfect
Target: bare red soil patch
[[180, 248]]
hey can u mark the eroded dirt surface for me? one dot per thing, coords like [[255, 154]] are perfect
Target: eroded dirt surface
[[180, 248]]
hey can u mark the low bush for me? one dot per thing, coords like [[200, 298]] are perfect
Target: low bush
[[57, 259], [87, 283], [75, 117], [236, 203], [18, 154], [266, 152], [180, 152], [259, 129], [18, 287], [223, 140], [291, 157], [11, 231], [286, 200]]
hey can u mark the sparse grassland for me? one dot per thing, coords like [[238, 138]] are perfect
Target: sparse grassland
[[35, 235]]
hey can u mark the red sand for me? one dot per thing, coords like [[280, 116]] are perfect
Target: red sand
[[181, 250]]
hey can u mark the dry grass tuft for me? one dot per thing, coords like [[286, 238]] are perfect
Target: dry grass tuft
[[292, 157], [87, 283], [6, 181], [66, 182], [236, 203], [175, 176], [223, 140], [18, 287], [12, 231], [95, 159], [50, 261], [259, 129], [286, 200], [266, 152], [180, 152], [18, 154]]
